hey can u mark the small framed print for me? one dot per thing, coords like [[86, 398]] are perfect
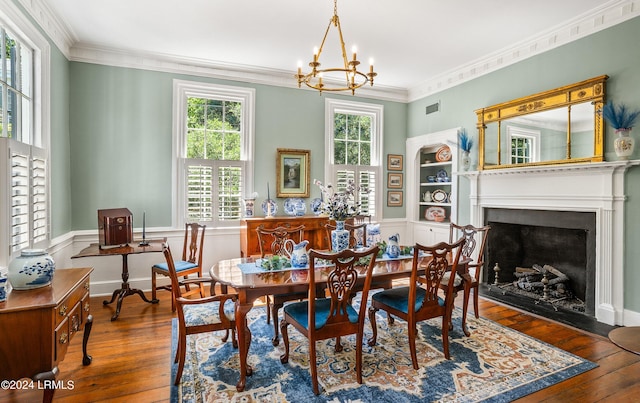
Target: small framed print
[[394, 162], [394, 180], [394, 198]]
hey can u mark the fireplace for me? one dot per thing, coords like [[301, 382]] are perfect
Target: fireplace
[[562, 240], [588, 199]]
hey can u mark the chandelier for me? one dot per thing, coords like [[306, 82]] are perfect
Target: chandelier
[[354, 78]]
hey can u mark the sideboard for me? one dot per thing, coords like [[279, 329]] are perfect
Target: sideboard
[[36, 327], [314, 231]]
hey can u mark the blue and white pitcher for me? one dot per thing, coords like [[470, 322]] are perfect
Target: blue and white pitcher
[[299, 255], [393, 248]]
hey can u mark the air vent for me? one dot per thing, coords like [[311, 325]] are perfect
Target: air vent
[[433, 108]]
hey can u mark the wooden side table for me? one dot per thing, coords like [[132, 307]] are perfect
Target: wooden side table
[[134, 248], [36, 327]]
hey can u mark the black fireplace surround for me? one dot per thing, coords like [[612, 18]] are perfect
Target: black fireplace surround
[[565, 240]]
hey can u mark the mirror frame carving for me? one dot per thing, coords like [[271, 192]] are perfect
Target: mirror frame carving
[[592, 90]]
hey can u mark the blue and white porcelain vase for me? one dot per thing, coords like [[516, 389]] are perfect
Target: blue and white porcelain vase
[[249, 205], [32, 269], [339, 238], [393, 247]]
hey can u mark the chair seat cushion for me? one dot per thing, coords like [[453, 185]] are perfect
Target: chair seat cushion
[[398, 298], [207, 313], [456, 281], [299, 311], [180, 266]]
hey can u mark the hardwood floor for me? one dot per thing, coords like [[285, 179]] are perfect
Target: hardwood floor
[[131, 358]]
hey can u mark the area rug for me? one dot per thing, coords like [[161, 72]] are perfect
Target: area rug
[[495, 364]]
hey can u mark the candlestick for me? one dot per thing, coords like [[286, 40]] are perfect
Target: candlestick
[[144, 230], [268, 195]]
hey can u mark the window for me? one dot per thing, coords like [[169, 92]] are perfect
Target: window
[[354, 144], [24, 135], [214, 149], [523, 145]]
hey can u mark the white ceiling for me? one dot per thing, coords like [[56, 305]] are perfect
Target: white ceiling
[[412, 42]]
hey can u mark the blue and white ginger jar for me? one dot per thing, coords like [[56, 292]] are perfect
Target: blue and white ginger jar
[[32, 269]]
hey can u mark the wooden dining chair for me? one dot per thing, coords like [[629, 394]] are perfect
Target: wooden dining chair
[[191, 263], [476, 239], [274, 241], [206, 314], [320, 317], [420, 300]]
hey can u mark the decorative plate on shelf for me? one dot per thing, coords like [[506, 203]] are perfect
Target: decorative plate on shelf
[[294, 206], [316, 206], [443, 154], [273, 204], [432, 213], [441, 173], [439, 196]]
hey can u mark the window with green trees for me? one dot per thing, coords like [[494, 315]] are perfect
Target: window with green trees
[[215, 138], [355, 143]]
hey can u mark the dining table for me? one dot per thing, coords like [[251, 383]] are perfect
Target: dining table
[[250, 281]]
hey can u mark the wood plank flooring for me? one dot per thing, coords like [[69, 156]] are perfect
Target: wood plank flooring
[[131, 358]]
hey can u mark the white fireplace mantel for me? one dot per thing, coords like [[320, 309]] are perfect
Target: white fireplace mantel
[[590, 187]]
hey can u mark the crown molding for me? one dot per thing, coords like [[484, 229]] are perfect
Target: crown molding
[[612, 13], [609, 14], [225, 71], [57, 30]]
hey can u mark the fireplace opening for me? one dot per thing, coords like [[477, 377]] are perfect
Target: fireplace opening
[[555, 243]]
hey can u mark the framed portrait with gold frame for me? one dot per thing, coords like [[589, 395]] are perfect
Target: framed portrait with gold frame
[[292, 169]]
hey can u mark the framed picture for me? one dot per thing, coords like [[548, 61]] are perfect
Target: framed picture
[[394, 162], [394, 180], [394, 198], [292, 167]]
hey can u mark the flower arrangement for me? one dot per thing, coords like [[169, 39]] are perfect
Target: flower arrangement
[[339, 205], [620, 117], [466, 142]]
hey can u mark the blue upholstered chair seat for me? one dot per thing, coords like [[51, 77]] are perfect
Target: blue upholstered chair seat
[[208, 313], [299, 311], [180, 266], [456, 281], [398, 298]]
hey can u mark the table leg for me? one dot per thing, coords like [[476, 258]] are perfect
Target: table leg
[[125, 289], [244, 342], [465, 304], [47, 380], [86, 358]]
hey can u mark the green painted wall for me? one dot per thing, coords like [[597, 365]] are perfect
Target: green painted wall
[[613, 52], [121, 132], [61, 222]]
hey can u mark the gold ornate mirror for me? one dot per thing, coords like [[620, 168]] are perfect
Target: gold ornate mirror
[[560, 126]]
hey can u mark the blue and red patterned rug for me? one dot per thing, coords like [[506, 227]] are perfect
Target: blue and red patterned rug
[[495, 364]]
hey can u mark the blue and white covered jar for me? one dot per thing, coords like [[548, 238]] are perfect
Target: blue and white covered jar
[[32, 269]]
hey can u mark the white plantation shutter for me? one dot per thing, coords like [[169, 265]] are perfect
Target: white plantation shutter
[[365, 178], [199, 193], [229, 192], [19, 163], [26, 178], [39, 195], [206, 178]]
